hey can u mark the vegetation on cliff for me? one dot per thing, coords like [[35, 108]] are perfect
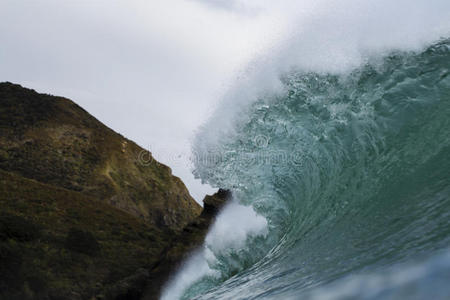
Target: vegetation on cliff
[[81, 217], [54, 141]]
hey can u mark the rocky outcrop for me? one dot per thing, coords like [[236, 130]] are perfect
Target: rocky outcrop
[[147, 283], [184, 244]]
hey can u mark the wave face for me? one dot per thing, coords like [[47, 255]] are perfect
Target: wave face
[[351, 172]]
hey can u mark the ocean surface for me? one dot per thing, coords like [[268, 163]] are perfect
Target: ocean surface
[[341, 186]]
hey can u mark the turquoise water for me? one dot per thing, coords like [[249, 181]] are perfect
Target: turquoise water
[[352, 175]]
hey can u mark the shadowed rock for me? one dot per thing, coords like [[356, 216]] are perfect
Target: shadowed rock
[[185, 243]]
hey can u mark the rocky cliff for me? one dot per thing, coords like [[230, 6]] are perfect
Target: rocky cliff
[[84, 212], [184, 244], [54, 141]]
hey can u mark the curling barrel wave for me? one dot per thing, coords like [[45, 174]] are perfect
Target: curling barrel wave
[[352, 175]]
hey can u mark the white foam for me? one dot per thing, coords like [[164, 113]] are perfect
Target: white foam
[[325, 36], [196, 267], [235, 224]]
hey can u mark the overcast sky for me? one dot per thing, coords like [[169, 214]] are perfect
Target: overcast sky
[[151, 70], [155, 70]]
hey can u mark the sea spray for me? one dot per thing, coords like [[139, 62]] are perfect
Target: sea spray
[[234, 227], [323, 37]]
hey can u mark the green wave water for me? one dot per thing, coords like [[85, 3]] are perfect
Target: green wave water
[[351, 173]]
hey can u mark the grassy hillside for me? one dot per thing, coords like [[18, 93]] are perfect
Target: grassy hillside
[[81, 215], [60, 244], [54, 141]]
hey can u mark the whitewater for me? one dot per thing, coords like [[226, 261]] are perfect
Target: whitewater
[[336, 145]]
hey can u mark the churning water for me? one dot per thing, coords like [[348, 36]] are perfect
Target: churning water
[[341, 183]]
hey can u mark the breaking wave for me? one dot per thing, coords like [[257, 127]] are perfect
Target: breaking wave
[[340, 176]]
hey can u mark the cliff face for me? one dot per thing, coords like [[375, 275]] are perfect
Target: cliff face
[[54, 141], [184, 244], [84, 212]]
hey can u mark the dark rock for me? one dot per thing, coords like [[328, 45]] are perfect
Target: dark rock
[[82, 241], [18, 228], [129, 288], [186, 242], [213, 204]]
